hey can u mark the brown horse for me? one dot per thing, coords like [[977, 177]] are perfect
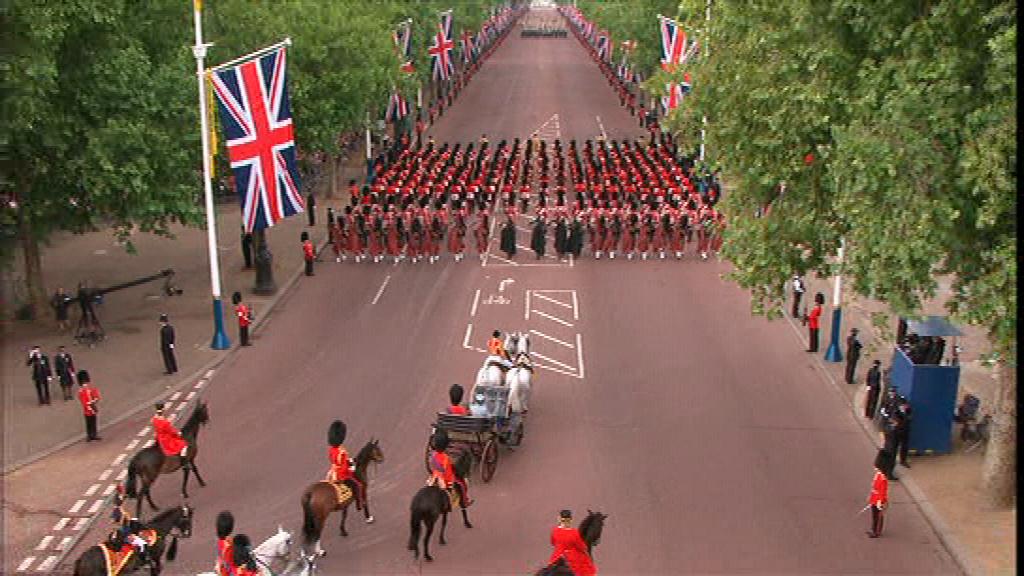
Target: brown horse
[[150, 462], [92, 562], [590, 531], [320, 499]]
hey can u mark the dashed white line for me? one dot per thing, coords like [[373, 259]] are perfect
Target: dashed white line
[[120, 458], [92, 489], [61, 524], [179, 407], [79, 524], [190, 396], [199, 384], [552, 338], [122, 474], [465, 340], [26, 563], [95, 506], [575, 307], [560, 371], [381, 290], [552, 318], [64, 543], [604, 136], [476, 299], [552, 300], [527, 313], [175, 396], [579, 352], [76, 507], [47, 564], [106, 474], [143, 432], [552, 360], [109, 490], [131, 445], [44, 543], [208, 374]]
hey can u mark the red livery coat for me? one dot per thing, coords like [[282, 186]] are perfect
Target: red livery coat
[[569, 544], [167, 436]]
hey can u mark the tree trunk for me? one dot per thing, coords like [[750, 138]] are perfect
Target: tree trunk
[[334, 160], [34, 288], [999, 472]]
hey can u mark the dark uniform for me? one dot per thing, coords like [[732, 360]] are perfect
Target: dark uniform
[[167, 345], [65, 368], [874, 384], [41, 373], [853, 347], [538, 239], [508, 239]]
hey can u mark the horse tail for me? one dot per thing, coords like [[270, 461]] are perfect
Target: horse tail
[[172, 550], [415, 520], [129, 486], [308, 518]]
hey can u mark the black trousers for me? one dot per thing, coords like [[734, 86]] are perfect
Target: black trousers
[[871, 403], [851, 368], [877, 520], [309, 267], [902, 442], [90, 427], [796, 304], [43, 391], [312, 215], [66, 390], [243, 335], [170, 364], [813, 345]]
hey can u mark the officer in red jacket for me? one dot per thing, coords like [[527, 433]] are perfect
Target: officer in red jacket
[[224, 565], [442, 473], [167, 436], [341, 470], [814, 322], [244, 315], [455, 396], [878, 501], [88, 396], [568, 544], [308, 253]]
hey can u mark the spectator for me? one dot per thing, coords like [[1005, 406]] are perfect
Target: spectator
[[60, 303], [89, 397], [874, 384], [65, 368], [311, 209], [246, 248], [814, 322], [853, 347], [41, 373], [798, 294]]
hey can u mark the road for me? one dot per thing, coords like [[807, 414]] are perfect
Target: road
[[705, 434]]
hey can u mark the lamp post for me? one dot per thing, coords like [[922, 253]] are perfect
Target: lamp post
[[220, 337], [834, 353]]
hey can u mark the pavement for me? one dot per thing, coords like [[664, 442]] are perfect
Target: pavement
[[647, 415]]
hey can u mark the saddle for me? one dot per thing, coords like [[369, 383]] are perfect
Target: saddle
[[116, 560], [341, 490]]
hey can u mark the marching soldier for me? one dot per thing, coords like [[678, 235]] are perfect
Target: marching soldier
[[538, 237], [508, 238]]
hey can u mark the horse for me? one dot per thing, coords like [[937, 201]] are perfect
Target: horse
[[93, 561], [150, 462], [590, 531], [518, 381], [277, 547], [431, 502], [320, 498]]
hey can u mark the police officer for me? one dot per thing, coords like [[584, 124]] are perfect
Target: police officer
[[874, 385], [167, 345], [41, 373], [853, 347]]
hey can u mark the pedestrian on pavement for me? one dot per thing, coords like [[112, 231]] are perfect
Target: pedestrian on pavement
[[902, 418], [874, 385], [39, 363], [311, 209], [853, 347], [308, 253], [60, 303], [814, 322], [508, 238], [65, 368], [798, 294], [89, 397], [167, 345], [244, 316], [246, 248], [878, 501]]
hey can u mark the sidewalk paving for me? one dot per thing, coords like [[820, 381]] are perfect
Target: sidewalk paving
[[127, 367], [947, 487]]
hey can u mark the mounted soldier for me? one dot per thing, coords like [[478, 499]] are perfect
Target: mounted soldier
[[342, 470], [442, 474]]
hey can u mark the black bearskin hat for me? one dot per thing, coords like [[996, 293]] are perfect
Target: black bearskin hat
[[83, 377], [336, 433], [225, 524], [819, 298], [242, 553], [455, 394], [439, 441], [304, 236], [236, 298]]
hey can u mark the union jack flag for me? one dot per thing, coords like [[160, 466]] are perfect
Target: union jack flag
[[467, 47], [674, 96], [441, 50], [604, 44], [257, 120], [398, 108], [674, 48], [403, 45]]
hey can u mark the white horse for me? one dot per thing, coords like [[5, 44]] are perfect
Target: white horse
[[276, 548], [518, 378]]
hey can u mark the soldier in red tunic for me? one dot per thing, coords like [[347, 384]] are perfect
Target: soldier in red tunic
[[308, 253], [455, 396], [224, 565], [456, 233], [568, 544], [167, 436], [242, 561], [878, 501], [244, 315], [443, 474], [341, 470]]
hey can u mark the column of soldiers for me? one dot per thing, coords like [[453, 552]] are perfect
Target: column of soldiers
[[626, 197]]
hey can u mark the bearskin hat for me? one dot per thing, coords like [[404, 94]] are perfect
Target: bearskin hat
[[225, 524], [455, 394], [336, 433], [242, 551], [439, 441], [83, 377], [304, 236], [236, 298]]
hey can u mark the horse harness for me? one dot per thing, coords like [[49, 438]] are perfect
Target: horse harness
[[341, 491], [116, 560]]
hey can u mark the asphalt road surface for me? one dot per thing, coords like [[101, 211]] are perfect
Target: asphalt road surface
[[705, 434]]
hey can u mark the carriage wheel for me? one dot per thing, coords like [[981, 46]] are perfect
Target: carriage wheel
[[489, 460]]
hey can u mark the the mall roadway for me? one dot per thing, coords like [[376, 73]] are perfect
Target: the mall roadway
[[707, 435]]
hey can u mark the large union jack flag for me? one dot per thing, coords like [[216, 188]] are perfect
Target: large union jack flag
[[403, 45], [441, 50], [257, 120], [674, 49]]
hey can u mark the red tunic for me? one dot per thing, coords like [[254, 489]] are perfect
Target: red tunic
[[441, 467], [458, 409], [224, 565], [167, 436], [569, 544], [340, 471], [242, 312], [879, 490], [88, 396], [814, 318], [307, 250]]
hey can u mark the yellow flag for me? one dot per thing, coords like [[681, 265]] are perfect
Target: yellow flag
[[211, 118], [198, 5]]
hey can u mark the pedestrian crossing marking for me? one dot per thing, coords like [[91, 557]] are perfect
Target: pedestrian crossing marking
[[26, 563], [549, 130], [552, 300]]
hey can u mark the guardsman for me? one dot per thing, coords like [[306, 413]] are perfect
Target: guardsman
[[878, 501], [442, 473], [168, 437], [308, 253], [242, 560], [244, 315], [342, 470], [224, 564], [568, 543], [814, 322], [455, 396], [89, 397]]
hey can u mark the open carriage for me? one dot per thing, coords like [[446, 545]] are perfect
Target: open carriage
[[489, 424]]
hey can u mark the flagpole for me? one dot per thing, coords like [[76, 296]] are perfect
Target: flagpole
[[220, 337], [707, 54]]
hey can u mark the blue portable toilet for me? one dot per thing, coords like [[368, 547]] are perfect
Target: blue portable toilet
[[931, 390]]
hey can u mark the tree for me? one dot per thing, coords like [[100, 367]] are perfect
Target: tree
[[890, 133]]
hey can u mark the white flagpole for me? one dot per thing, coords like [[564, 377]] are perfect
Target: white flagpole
[[220, 337], [707, 54]]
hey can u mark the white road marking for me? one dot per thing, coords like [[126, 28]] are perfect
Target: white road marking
[[76, 507], [64, 543], [465, 341], [199, 384], [604, 136], [47, 564], [179, 407], [131, 446], [106, 474], [122, 474], [575, 307], [61, 524], [109, 490], [552, 360], [95, 506], [143, 432], [44, 543], [552, 318], [553, 301], [175, 396], [501, 285], [79, 524], [527, 315], [476, 299], [209, 373], [539, 365], [120, 458], [579, 353], [92, 489], [26, 563], [190, 396], [381, 290], [552, 338]]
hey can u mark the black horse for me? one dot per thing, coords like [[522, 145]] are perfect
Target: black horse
[[431, 502], [590, 530], [92, 562], [150, 462]]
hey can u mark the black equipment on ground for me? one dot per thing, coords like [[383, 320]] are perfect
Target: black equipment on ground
[[89, 330]]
